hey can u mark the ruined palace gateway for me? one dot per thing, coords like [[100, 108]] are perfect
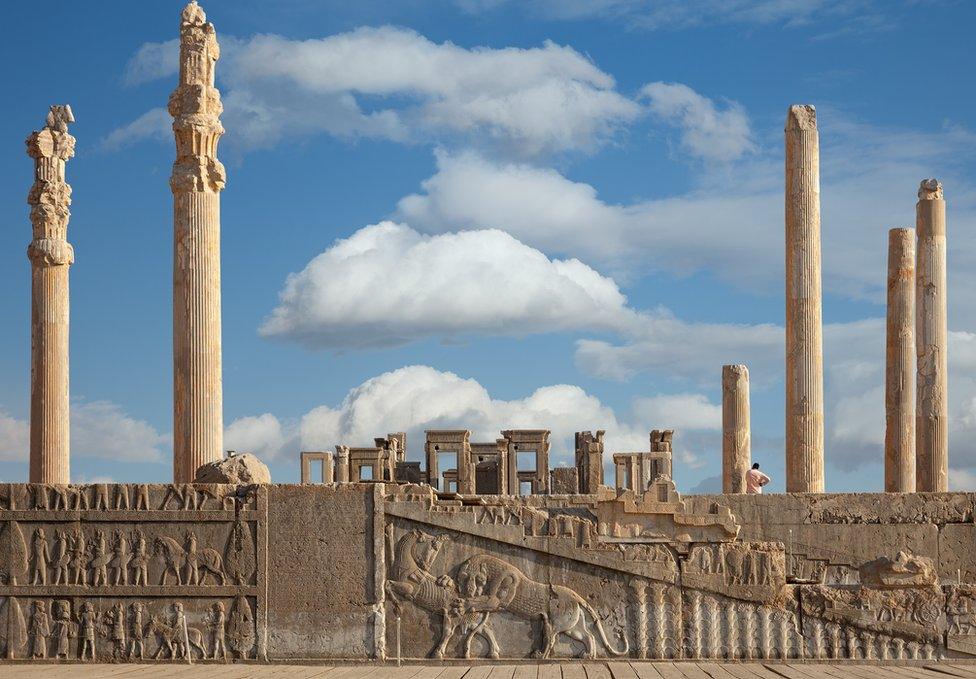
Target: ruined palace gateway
[[50, 255], [804, 321], [197, 180], [900, 364], [932, 416]]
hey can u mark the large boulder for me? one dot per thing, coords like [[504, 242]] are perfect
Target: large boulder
[[236, 469]]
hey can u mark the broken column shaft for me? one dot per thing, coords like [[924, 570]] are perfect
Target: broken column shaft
[[736, 436], [50, 255], [804, 331], [197, 180], [932, 397], [900, 364]]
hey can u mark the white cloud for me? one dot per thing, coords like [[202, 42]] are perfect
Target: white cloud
[[14, 438], [394, 83], [99, 429], [415, 398], [680, 411], [262, 435], [103, 429], [387, 285], [152, 61], [154, 124], [962, 479], [706, 132], [695, 351], [731, 223]]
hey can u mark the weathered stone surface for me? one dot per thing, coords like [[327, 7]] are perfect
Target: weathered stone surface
[[196, 181], [932, 413], [50, 255], [900, 364], [804, 319], [736, 431], [236, 470], [364, 571], [905, 570]]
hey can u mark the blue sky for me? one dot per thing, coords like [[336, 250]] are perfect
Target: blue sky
[[492, 214]]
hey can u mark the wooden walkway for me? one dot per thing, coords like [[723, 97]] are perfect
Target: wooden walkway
[[564, 670]]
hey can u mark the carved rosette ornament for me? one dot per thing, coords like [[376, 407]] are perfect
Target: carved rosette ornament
[[50, 255], [197, 180]]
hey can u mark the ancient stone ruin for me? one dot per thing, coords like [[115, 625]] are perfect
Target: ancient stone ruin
[[483, 550]]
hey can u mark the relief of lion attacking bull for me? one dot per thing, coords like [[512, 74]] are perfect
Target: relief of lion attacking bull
[[484, 585]]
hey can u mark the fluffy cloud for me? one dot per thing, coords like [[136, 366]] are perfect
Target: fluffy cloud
[[14, 438], [731, 224], [263, 435], [415, 398], [99, 429], [706, 131], [680, 411], [156, 124], [393, 83], [387, 284]]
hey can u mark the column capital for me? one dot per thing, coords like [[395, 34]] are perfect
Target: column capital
[[801, 117], [930, 189]]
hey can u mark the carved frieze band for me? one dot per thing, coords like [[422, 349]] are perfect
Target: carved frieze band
[[133, 572]]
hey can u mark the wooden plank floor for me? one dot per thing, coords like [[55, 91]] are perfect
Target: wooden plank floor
[[563, 670]]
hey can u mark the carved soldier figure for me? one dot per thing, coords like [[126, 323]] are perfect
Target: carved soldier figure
[[79, 558], [88, 619], [62, 630], [42, 556], [140, 560], [62, 558], [99, 560], [117, 629], [192, 559], [101, 496], [137, 632], [217, 621], [121, 558], [181, 641], [122, 496], [40, 630], [142, 496]]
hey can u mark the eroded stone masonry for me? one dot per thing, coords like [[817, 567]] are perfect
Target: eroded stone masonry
[[212, 573], [484, 549]]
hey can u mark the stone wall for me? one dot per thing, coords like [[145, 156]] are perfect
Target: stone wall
[[374, 571]]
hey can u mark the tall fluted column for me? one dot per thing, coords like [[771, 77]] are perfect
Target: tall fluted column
[[804, 322], [900, 364], [932, 416], [197, 180], [50, 255], [736, 436]]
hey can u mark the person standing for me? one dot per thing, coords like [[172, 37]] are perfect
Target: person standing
[[755, 480]]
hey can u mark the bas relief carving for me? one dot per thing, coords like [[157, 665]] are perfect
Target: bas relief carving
[[139, 572]]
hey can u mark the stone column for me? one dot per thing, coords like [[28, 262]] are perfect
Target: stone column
[[804, 331], [50, 255], [932, 415], [900, 364], [197, 180], [736, 433]]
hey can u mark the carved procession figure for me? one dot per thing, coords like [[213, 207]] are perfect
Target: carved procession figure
[[137, 630], [88, 621], [41, 556], [217, 622], [40, 630], [63, 628]]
